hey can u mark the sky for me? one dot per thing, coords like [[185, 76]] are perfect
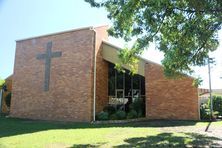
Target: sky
[[27, 18]]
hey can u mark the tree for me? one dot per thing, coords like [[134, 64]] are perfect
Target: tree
[[217, 104], [2, 82], [8, 99], [184, 30]]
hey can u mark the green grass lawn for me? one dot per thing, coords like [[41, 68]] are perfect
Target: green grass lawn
[[27, 133]]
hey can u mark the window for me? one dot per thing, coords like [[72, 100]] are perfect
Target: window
[[130, 86], [119, 80], [111, 80], [136, 82], [142, 86]]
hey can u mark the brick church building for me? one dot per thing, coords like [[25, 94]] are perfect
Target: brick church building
[[70, 76]]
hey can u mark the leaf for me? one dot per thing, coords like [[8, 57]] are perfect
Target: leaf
[[185, 31]]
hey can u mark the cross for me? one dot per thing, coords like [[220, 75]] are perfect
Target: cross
[[47, 57]]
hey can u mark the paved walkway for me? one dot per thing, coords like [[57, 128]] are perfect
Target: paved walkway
[[211, 131]]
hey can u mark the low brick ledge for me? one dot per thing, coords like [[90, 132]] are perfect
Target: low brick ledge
[[120, 121]]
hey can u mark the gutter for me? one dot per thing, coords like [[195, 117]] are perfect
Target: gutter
[[94, 76]]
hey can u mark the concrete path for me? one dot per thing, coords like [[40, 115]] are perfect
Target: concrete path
[[211, 130]]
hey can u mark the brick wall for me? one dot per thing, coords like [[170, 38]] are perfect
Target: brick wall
[[168, 98], [101, 70], [70, 95], [70, 91]]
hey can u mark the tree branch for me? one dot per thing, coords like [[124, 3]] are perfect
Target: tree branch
[[161, 23], [201, 11]]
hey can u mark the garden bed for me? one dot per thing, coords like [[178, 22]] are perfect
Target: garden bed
[[121, 121]]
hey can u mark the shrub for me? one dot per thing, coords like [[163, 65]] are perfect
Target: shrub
[[120, 115], [8, 99], [132, 114], [139, 106], [217, 104], [109, 109], [113, 117], [103, 116], [140, 114], [205, 113], [215, 114]]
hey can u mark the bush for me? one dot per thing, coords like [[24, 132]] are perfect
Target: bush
[[217, 104], [132, 114], [120, 115], [8, 99], [109, 109], [139, 106], [113, 117], [140, 114], [205, 113], [103, 116]]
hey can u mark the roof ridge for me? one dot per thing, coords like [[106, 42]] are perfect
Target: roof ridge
[[60, 32]]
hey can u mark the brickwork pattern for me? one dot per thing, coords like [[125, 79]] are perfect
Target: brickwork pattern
[[70, 91], [70, 95], [101, 70], [169, 98]]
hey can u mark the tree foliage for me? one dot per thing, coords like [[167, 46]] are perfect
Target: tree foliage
[[8, 99], [1, 82], [217, 104], [184, 30]]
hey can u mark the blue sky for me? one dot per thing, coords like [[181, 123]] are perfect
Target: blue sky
[[27, 18]]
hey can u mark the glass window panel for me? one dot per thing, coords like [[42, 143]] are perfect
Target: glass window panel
[[111, 80], [142, 85], [119, 80], [119, 93], [136, 82], [128, 84]]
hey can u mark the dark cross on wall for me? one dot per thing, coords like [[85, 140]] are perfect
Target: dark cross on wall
[[47, 57]]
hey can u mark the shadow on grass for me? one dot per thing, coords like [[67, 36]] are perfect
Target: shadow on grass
[[12, 126], [164, 140], [170, 140], [87, 145], [208, 126]]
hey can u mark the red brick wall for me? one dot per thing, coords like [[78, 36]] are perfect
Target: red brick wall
[[168, 98], [70, 91], [101, 70]]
